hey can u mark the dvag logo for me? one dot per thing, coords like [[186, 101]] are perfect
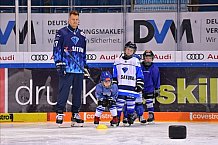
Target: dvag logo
[[22, 34], [160, 35]]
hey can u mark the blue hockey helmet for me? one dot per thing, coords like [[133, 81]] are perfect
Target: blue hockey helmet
[[106, 76]]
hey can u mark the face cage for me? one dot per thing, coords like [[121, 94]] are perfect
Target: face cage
[[102, 82]]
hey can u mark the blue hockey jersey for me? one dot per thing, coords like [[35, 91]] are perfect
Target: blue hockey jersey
[[74, 42], [151, 78], [103, 93]]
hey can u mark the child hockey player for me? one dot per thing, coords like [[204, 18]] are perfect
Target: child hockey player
[[106, 93], [128, 75], [151, 83]]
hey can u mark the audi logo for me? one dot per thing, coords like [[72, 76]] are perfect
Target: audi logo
[[91, 56], [195, 56], [39, 57]]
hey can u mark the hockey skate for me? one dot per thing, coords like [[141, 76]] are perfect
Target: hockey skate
[[59, 119], [125, 121], [142, 120], [118, 121], [96, 120], [150, 119], [114, 121], [76, 120], [131, 119]]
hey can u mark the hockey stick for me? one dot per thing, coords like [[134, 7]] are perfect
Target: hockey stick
[[84, 70]]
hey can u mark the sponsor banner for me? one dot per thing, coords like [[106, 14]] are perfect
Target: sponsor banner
[[204, 116], [182, 89], [199, 56], [159, 116], [5, 117], [23, 117], [106, 117], [110, 56], [2, 90], [105, 31]]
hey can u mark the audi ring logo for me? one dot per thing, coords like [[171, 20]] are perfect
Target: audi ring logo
[[195, 56], [39, 57], [91, 56]]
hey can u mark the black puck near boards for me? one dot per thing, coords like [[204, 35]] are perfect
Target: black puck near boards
[[177, 132]]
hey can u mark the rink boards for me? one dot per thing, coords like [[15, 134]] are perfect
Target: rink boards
[[106, 117]]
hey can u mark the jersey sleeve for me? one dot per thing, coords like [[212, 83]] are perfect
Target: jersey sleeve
[[98, 92], [115, 74], [58, 47], [85, 42], [114, 91], [139, 75], [156, 78]]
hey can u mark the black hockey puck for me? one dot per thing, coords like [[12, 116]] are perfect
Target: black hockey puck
[[177, 132]]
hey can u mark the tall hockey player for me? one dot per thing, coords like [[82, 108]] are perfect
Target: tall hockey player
[[106, 93], [70, 39], [128, 75], [151, 82]]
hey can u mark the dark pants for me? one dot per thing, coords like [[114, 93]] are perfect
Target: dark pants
[[76, 81]]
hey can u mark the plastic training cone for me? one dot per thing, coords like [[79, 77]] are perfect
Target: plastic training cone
[[102, 126]]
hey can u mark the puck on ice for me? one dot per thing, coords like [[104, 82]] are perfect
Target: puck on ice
[[177, 132]]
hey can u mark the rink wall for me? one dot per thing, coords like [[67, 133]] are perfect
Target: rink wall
[[183, 89], [106, 117]]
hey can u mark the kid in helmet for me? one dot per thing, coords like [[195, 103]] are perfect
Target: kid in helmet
[[106, 78], [129, 49], [148, 57]]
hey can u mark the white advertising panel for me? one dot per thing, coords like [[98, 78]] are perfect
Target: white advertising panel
[[105, 31]]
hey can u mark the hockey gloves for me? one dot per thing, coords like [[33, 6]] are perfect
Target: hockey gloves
[[139, 85], [138, 89], [111, 102], [103, 102], [156, 92], [107, 102], [61, 68]]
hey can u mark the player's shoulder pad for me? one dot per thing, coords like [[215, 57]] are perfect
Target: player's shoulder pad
[[155, 66], [137, 56], [116, 61], [63, 31], [99, 85], [136, 61], [114, 86]]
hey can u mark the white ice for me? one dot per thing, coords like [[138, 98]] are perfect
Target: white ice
[[156, 134]]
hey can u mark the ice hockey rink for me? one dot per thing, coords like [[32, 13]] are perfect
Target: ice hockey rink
[[153, 134]]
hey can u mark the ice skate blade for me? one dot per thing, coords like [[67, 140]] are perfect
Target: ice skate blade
[[114, 125], [151, 123], [75, 124], [126, 124]]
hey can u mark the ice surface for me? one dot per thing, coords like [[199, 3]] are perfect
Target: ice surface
[[155, 134]]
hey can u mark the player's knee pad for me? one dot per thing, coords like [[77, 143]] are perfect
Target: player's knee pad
[[139, 109]]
